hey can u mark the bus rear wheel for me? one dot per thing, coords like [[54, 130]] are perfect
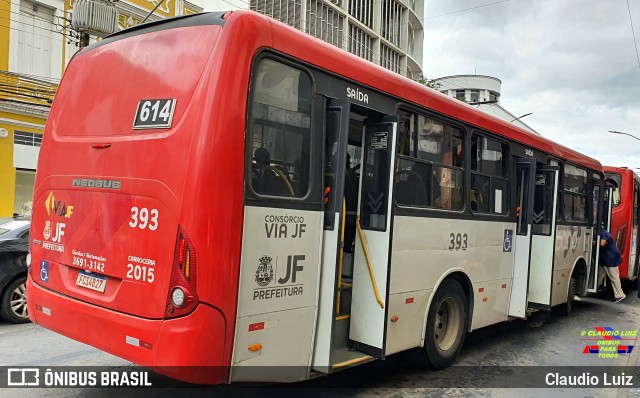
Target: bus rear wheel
[[571, 293], [446, 325]]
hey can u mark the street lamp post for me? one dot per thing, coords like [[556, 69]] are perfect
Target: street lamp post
[[620, 132], [520, 117]]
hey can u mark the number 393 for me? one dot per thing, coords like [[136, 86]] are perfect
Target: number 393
[[144, 218], [457, 241]]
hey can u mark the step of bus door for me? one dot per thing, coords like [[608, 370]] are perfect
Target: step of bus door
[[342, 356], [344, 307]]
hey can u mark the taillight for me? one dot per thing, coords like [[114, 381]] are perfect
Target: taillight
[[182, 297], [620, 239], [29, 268]]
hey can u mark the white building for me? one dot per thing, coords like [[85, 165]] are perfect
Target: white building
[[386, 32], [483, 92]]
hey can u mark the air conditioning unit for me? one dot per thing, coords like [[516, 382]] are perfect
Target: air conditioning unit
[[95, 17]]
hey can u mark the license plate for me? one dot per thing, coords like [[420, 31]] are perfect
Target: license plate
[[92, 281]]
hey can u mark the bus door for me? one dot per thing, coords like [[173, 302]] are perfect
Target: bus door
[[543, 237], [609, 185], [526, 174], [633, 246], [373, 237], [598, 217], [595, 274], [333, 312]]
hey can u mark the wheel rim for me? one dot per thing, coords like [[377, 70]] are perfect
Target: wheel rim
[[447, 325], [18, 301]]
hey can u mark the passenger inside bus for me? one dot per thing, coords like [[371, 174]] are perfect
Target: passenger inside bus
[[476, 199], [410, 188], [268, 179]]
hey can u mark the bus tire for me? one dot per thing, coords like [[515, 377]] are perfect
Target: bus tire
[[571, 292], [13, 303], [446, 325]]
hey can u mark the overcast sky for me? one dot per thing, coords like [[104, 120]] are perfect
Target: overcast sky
[[571, 63]]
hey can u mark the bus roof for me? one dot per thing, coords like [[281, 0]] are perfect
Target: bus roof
[[326, 56], [622, 170], [308, 49]]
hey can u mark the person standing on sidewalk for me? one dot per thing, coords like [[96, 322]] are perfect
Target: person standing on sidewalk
[[610, 258]]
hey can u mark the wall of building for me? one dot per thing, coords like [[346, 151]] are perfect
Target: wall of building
[[18, 161], [483, 92], [470, 88], [388, 33]]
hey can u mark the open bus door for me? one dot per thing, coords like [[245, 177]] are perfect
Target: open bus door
[[545, 207], [353, 282], [598, 192], [634, 248], [526, 174], [373, 238], [605, 206], [330, 320]]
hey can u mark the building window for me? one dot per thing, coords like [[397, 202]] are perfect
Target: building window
[[35, 39], [360, 43], [25, 138], [389, 59], [286, 11], [325, 23], [392, 13], [475, 96], [362, 10], [460, 95], [411, 40], [23, 200]]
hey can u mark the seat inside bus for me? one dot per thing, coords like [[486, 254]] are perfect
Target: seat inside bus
[[269, 179]]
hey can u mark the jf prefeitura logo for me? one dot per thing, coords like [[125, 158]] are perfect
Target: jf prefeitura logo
[[607, 342]]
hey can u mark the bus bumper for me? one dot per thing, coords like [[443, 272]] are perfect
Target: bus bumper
[[188, 348]]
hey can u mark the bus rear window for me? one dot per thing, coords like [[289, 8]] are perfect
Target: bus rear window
[[103, 87]]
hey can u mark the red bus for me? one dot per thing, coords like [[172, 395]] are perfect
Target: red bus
[[624, 218], [224, 198]]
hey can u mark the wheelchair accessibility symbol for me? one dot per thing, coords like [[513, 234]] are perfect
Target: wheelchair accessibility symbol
[[507, 242], [44, 271]]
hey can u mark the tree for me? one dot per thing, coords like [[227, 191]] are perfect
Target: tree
[[431, 83]]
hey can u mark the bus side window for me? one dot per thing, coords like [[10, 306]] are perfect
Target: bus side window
[[575, 193], [489, 177], [431, 174], [280, 130]]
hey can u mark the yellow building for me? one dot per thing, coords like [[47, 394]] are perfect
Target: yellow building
[[36, 43]]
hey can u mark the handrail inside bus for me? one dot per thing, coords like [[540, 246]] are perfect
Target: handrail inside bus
[[284, 178], [366, 257], [610, 183]]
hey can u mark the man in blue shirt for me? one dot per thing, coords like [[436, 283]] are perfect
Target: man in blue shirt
[[610, 259]]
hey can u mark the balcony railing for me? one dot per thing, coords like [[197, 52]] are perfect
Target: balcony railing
[[27, 90]]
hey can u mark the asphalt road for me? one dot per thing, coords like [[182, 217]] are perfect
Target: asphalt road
[[518, 353]]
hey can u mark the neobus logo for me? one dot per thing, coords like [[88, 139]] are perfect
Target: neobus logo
[[89, 183], [357, 95]]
